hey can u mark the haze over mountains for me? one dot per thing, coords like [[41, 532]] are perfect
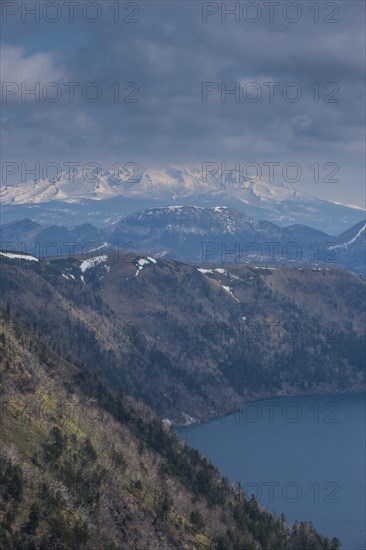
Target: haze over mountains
[[106, 195], [217, 235]]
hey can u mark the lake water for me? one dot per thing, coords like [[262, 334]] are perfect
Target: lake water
[[303, 456]]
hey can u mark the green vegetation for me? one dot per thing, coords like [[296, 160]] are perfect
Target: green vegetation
[[84, 466]]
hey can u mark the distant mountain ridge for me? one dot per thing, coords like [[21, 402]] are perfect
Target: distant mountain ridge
[[196, 235], [105, 196]]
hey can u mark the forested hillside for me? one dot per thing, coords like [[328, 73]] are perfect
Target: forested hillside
[[190, 341], [82, 466]]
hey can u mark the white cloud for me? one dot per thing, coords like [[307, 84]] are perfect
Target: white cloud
[[17, 67]]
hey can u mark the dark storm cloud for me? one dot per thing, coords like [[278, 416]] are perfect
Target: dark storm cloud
[[168, 54]]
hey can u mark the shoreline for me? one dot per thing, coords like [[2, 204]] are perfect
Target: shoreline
[[309, 514], [263, 397]]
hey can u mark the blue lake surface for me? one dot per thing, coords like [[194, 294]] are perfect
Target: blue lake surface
[[303, 456]]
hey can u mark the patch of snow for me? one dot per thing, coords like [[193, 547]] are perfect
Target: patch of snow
[[220, 271], [92, 262], [98, 247], [346, 244], [82, 280], [204, 271], [354, 206], [142, 262], [11, 255], [228, 289]]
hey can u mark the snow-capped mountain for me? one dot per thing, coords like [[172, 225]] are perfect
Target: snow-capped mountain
[[109, 194], [195, 234], [170, 184]]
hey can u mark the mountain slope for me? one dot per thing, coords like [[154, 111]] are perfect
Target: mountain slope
[[84, 467], [109, 192], [183, 339]]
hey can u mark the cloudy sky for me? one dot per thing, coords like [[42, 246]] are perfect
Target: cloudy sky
[[161, 73]]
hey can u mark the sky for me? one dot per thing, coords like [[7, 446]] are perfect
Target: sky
[[185, 83]]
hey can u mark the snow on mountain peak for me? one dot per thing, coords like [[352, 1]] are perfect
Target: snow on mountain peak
[[134, 189], [165, 184]]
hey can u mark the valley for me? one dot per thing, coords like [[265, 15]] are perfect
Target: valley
[[188, 341], [84, 466]]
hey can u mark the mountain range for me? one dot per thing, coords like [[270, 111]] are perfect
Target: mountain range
[[115, 332], [105, 195], [214, 235], [102, 354]]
